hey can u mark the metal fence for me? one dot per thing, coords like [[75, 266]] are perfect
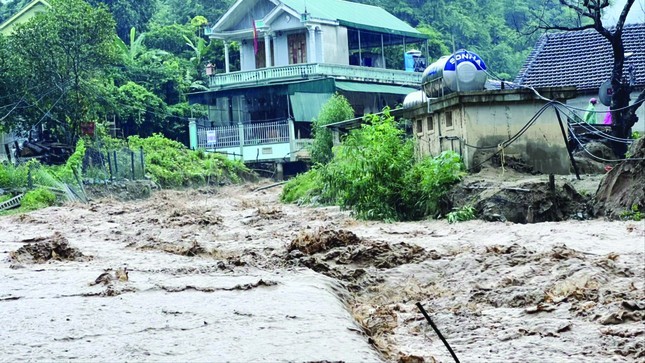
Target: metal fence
[[100, 165]]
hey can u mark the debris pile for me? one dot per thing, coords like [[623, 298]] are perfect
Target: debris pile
[[622, 191], [56, 248]]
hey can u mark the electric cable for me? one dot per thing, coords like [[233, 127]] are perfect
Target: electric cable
[[602, 159]]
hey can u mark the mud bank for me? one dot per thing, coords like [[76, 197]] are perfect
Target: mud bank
[[231, 274]]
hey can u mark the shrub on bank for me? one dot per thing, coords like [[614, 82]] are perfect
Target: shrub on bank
[[374, 173], [171, 164]]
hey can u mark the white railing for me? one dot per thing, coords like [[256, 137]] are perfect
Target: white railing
[[266, 133], [366, 74], [225, 136], [252, 134]]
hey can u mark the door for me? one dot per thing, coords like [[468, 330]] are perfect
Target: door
[[261, 57], [297, 48]]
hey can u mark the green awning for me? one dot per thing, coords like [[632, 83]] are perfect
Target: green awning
[[373, 88]]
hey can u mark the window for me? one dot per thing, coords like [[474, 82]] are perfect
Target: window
[[430, 124], [448, 119], [419, 123]]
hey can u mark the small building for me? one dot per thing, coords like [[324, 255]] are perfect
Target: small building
[[294, 54], [26, 13], [478, 124], [584, 59]]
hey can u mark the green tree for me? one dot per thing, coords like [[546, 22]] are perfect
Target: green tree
[[57, 56], [335, 110], [129, 14]]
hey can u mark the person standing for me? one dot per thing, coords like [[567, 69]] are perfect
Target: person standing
[[590, 114]]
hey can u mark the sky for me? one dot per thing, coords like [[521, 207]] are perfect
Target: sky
[[636, 15]]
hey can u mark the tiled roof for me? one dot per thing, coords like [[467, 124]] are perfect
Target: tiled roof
[[581, 58]]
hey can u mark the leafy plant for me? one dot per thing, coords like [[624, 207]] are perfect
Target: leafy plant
[[634, 214], [335, 110], [303, 189], [37, 199], [465, 213], [171, 164], [374, 173], [636, 135]]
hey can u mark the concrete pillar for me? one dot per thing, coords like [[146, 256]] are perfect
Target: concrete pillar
[[279, 171], [311, 44], [226, 57], [292, 139], [240, 126], [267, 49], [192, 132]]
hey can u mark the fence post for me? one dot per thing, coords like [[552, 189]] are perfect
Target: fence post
[[240, 126], [30, 181], [110, 166], [116, 164], [292, 139], [132, 164], [143, 163], [192, 132]]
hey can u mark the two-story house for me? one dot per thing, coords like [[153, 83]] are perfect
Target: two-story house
[[294, 54]]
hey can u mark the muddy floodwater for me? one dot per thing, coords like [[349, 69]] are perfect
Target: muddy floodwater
[[231, 274]]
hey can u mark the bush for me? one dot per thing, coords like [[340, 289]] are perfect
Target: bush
[[38, 198], [171, 164], [374, 173], [335, 110], [466, 213], [366, 173], [303, 189]]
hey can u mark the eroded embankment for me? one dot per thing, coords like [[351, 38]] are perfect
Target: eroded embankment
[[234, 275]]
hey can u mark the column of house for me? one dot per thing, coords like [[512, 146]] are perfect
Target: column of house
[[267, 47], [311, 44], [226, 57]]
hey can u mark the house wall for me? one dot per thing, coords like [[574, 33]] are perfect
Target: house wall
[[335, 49], [281, 50], [486, 119], [8, 29], [582, 101], [247, 56]]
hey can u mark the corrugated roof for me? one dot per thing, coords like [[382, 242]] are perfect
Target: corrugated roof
[[583, 59], [355, 15], [374, 88]]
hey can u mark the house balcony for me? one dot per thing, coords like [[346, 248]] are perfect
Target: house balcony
[[312, 71]]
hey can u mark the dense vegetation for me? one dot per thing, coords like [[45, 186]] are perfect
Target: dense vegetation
[[168, 163], [374, 174], [65, 67]]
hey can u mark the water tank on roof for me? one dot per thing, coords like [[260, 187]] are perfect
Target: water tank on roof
[[461, 71]]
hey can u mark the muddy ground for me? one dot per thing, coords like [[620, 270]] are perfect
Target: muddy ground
[[231, 274]]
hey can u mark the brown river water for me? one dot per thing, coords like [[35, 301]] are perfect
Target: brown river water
[[211, 278]]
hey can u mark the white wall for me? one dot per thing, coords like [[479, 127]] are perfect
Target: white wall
[[583, 101], [335, 44], [280, 50], [247, 56]]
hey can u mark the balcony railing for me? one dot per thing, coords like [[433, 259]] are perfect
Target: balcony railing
[[253, 134], [311, 70]]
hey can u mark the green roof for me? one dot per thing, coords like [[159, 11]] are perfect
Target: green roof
[[355, 15], [374, 88]]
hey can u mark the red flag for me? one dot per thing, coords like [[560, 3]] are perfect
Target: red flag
[[255, 38]]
